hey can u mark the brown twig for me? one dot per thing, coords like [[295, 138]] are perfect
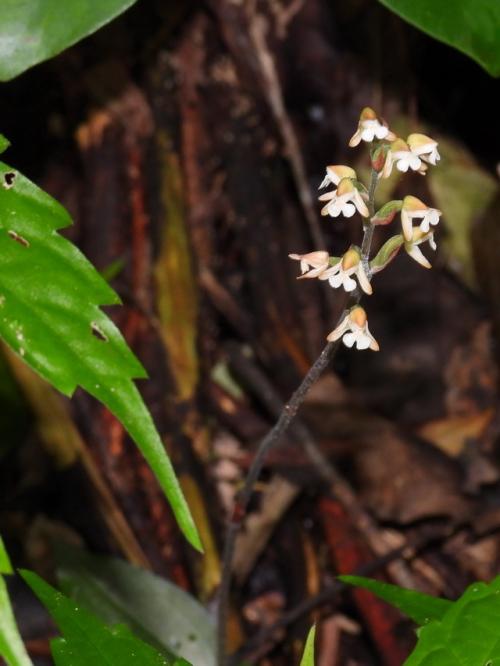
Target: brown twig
[[270, 635]]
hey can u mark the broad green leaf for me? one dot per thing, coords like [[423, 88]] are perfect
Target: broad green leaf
[[471, 26], [50, 298], [422, 608], [308, 656], [156, 610], [468, 633], [85, 639], [32, 31], [11, 645]]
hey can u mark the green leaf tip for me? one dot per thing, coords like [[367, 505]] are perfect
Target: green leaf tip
[[5, 564], [422, 608], [308, 656], [50, 315]]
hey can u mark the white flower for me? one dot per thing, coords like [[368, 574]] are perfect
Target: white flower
[[351, 264], [335, 173], [424, 147], [345, 200], [417, 238], [413, 209], [312, 264], [353, 329], [370, 128], [415, 153], [401, 155]]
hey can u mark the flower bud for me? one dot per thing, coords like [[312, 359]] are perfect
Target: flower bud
[[378, 157], [387, 213]]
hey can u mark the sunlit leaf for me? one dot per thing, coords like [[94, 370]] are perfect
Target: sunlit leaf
[[468, 633], [50, 298], [418, 606], [34, 30], [85, 639], [471, 26], [154, 609]]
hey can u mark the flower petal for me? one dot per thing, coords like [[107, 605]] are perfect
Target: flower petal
[[349, 339]]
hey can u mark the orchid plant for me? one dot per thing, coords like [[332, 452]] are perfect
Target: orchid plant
[[353, 271]]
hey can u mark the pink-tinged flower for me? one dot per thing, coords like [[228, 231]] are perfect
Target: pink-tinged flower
[[353, 329], [370, 127], [345, 200], [335, 173], [414, 209], [351, 264], [424, 147], [312, 264], [412, 246]]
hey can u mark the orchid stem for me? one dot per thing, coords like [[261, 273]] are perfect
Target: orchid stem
[[284, 421]]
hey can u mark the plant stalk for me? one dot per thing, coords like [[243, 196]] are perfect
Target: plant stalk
[[272, 438]]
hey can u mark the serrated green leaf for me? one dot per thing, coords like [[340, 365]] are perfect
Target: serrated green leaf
[[153, 608], [86, 640], [32, 31], [50, 298], [471, 26], [422, 608], [468, 633], [11, 645], [308, 656]]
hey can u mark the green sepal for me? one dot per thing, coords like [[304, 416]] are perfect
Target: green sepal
[[4, 143], [386, 253], [333, 261], [387, 213]]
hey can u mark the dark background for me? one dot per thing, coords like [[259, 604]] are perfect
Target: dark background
[[187, 140]]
